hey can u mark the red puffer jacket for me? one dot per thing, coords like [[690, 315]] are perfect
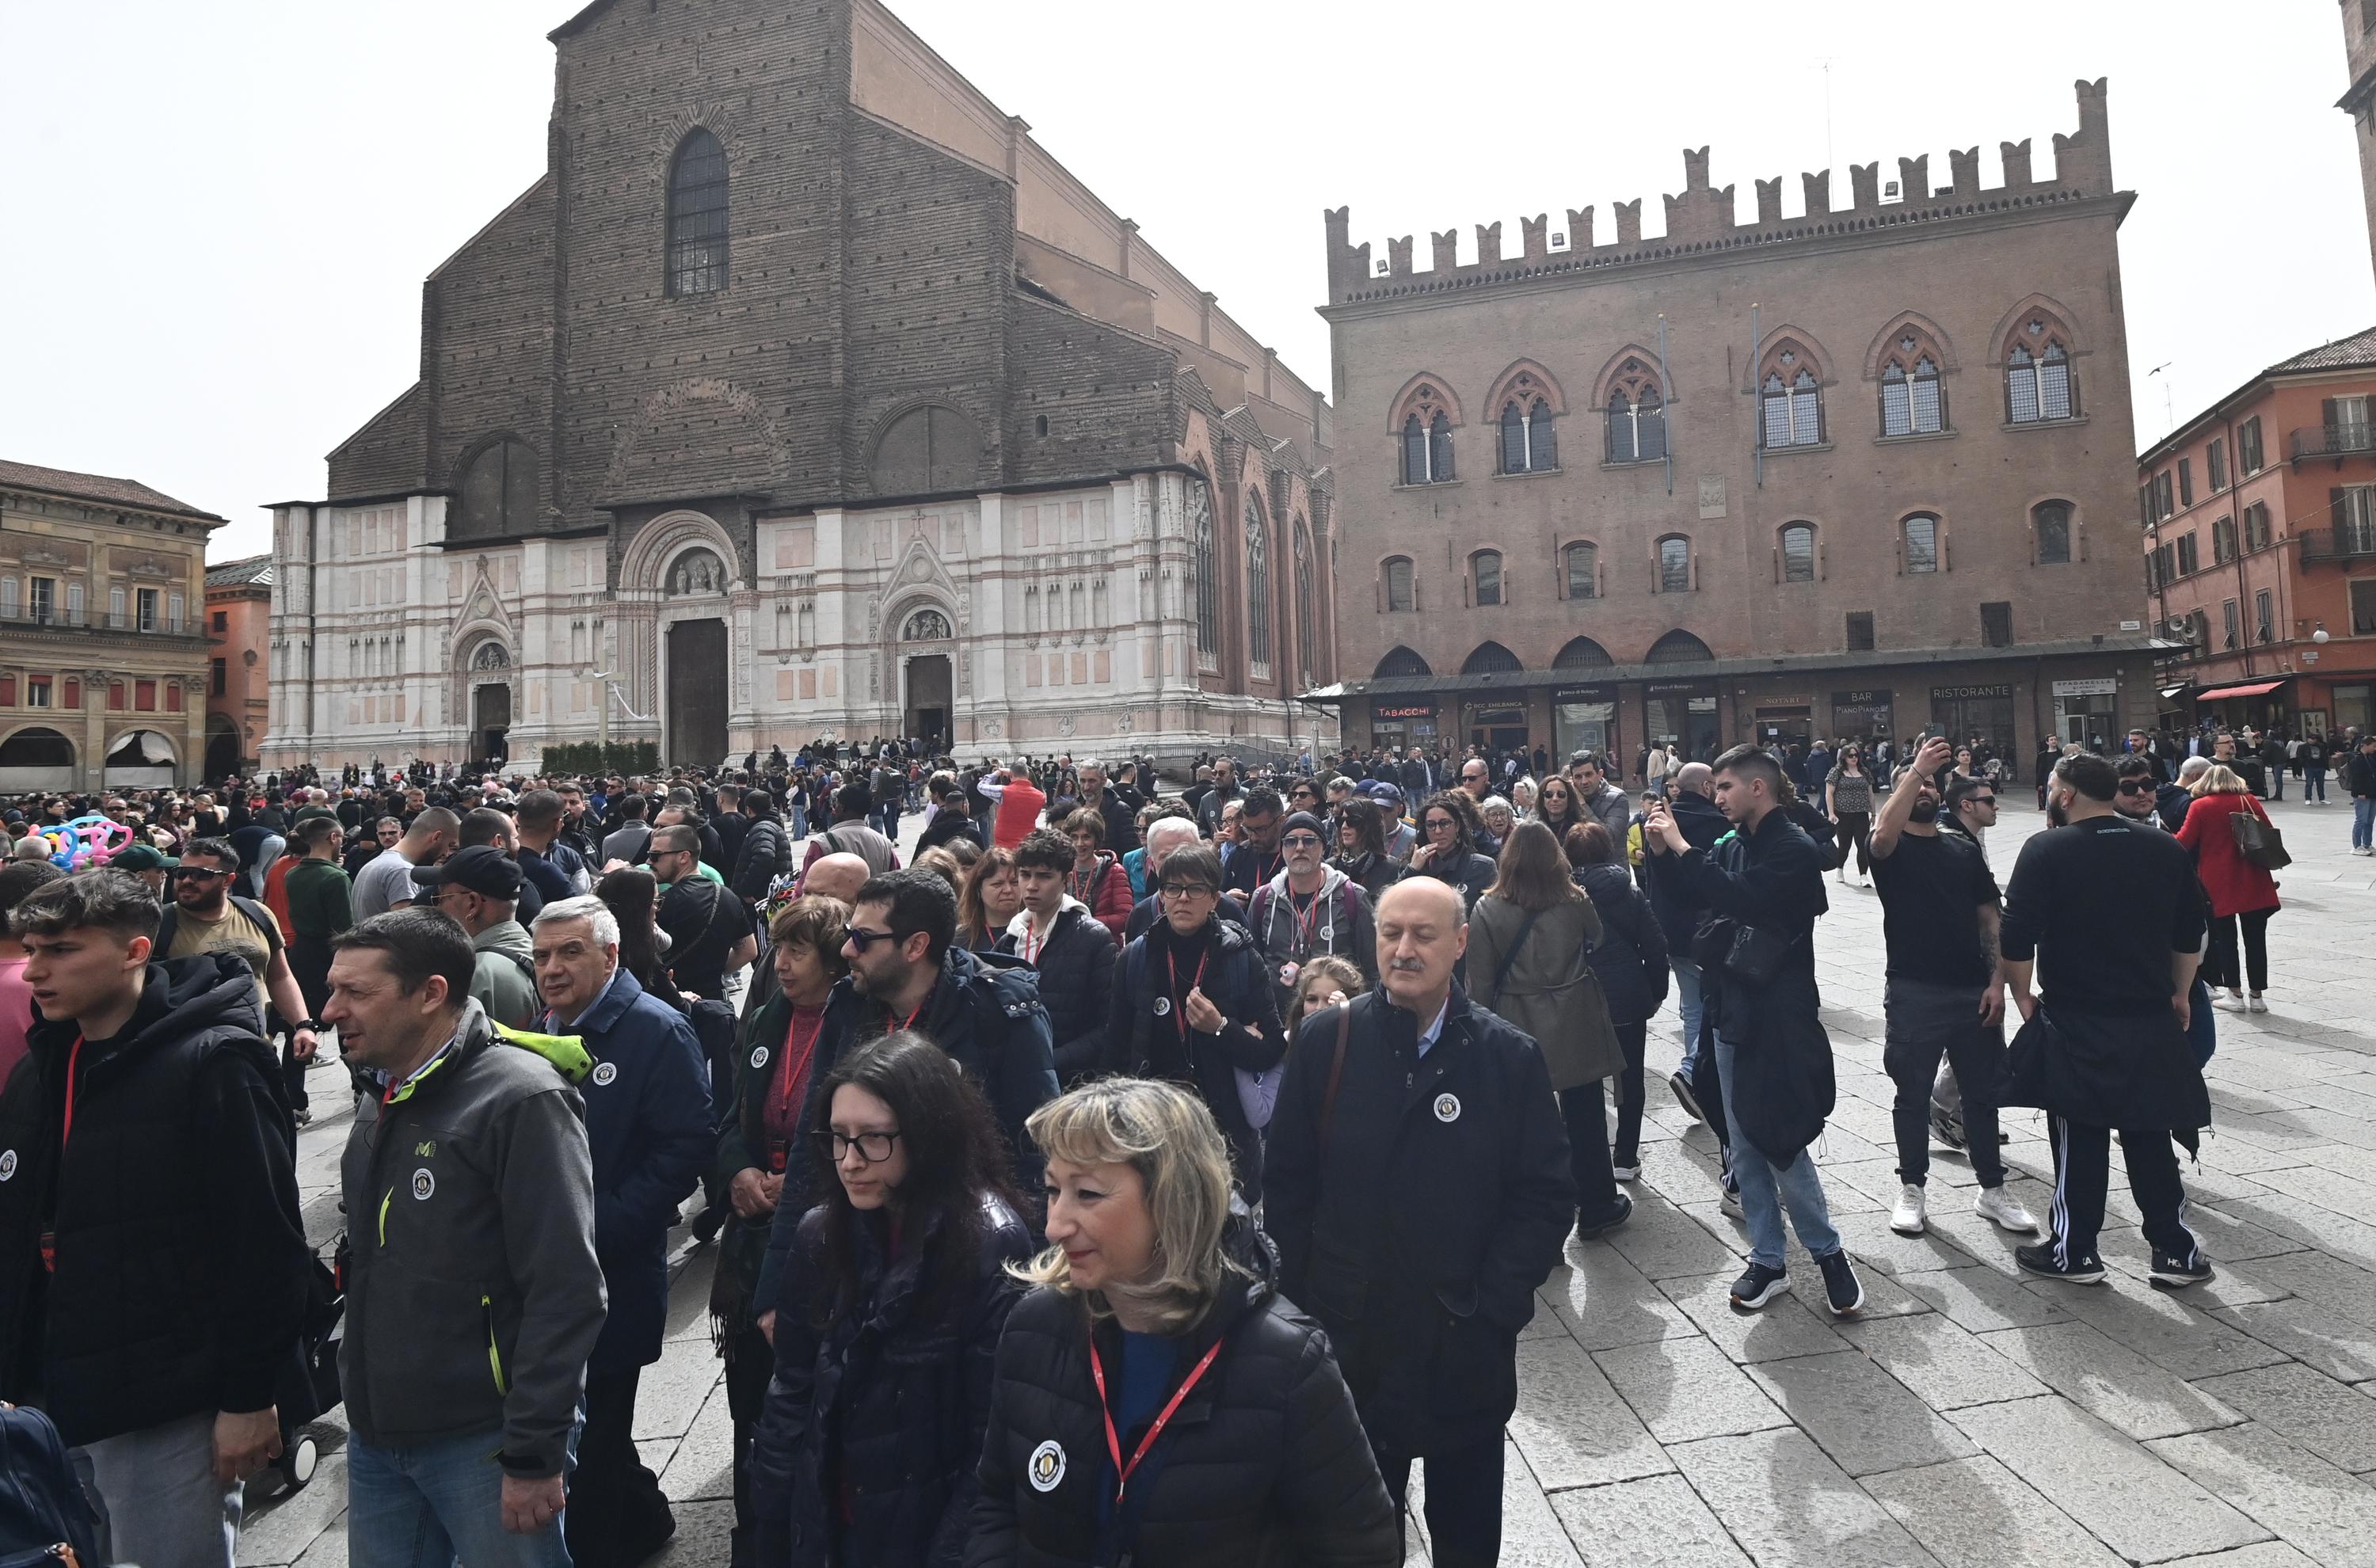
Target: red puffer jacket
[[2237, 885]]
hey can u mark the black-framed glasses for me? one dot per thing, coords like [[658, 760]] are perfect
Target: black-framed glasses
[[1984, 800], [1188, 890], [2136, 786], [873, 1147], [863, 939], [196, 873]]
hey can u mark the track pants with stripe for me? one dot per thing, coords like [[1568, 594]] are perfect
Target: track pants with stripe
[[2082, 1157]]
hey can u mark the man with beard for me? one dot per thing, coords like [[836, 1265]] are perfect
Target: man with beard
[[1310, 908], [1939, 916], [205, 915]]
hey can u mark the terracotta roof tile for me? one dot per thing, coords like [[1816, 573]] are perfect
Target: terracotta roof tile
[[94, 487]]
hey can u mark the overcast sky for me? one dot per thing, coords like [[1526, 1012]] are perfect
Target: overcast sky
[[220, 214]]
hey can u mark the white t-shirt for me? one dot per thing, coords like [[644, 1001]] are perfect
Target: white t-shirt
[[385, 882]]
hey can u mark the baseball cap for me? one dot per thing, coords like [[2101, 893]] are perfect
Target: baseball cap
[[141, 857], [480, 869]]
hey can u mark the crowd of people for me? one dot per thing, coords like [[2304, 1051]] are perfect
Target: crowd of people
[[1118, 1176]]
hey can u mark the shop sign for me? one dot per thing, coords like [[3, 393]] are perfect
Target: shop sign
[[1970, 694], [1584, 693], [2094, 686], [1860, 699], [1674, 688], [1403, 710]]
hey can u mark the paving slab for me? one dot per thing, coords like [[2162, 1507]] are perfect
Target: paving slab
[[1787, 1327], [2312, 1333], [701, 1465], [1658, 1522], [1788, 1504], [1866, 1420], [1684, 1389], [2109, 1380], [1975, 1514], [2166, 1327], [1945, 1364], [1532, 1536], [1605, 1301], [2329, 1515], [1662, 1243], [2124, 1496], [2331, 1419], [674, 1388], [1981, 1300], [1571, 1427], [295, 1520]]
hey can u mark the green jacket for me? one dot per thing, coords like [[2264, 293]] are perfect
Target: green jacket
[[320, 904]]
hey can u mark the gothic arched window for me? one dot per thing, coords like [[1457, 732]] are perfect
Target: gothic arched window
[[1792, 400], [2038, 385], [1637, 415], [498, 492], [696, 216], [1200, 553], [1426, 429], [1305, 621], [1258, 585], [1529, 445], [1912, 402]]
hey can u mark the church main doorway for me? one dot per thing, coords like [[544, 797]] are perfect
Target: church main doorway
[[929, 699], [698, 685], [490, 721]]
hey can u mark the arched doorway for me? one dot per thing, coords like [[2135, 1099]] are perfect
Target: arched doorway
[[490, 702], [222, 746], [138, 759], [931, 687], [38, 759], [696, 693]]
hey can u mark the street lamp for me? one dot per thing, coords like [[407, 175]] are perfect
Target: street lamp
[[2319, 634]]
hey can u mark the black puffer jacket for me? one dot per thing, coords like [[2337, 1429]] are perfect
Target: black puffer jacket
[[1264, 1465], [1152, 1044], [1076, 970], [1468, 871], [884, 1407], [765, 854], [1631, 956], [1375, 874]]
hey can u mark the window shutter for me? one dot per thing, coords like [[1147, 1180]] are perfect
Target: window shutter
[[2326, 412], [2335, 498], [8, 691], [74, 692]]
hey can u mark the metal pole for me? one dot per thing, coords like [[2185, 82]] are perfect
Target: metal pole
[[1666, 404], [1756, 412]]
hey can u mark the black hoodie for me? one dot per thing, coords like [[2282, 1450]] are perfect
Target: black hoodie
[[182, 1265]]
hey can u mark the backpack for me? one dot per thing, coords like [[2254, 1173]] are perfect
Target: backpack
[[45, 1520]]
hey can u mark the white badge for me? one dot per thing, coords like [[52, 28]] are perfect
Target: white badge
[[759, 1056], [7, 1163], [605, 1073], [423, 1183], [1447, 1108], [1162, 1009], [1328, 933], [1046, 1466]]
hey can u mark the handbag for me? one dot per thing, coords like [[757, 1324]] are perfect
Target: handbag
[[1755, 957], [2258, 840]]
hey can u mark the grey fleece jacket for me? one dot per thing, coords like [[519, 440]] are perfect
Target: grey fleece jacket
[[474, 1296], [500, 984]]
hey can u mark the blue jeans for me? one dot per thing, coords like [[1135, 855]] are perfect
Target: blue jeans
[[1764, 1191], [2363, 819], [2314, 784], [1687, 998], [422, 1506]]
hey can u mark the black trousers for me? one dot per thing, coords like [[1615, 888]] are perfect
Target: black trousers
[[1463, 1502], [1626, 1149], [1921, 1024], [1856, 827], [617, 1516], [2219, 964], [1587, 1152], [750, 1363], [2083, 1160]]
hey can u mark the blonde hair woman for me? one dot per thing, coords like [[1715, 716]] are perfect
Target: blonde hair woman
[[1154, 1298]]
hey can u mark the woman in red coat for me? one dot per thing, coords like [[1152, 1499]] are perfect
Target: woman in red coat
[[2238, 889], [1098, 879]]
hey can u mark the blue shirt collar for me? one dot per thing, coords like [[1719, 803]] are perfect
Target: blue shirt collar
[[1428, 1036]]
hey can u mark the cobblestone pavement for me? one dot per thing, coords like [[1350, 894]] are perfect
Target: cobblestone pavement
[[1969, 1418]]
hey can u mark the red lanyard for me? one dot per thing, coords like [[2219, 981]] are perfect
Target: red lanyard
[[1031, 942], [72, 1057], [1305, 922], [797, 1057], [910, 1021], [1113, 1442], [1179, 1011]]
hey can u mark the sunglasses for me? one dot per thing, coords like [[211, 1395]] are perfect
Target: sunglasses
[[863, 939], [196, 873], [2136, 787], [1300, 841]]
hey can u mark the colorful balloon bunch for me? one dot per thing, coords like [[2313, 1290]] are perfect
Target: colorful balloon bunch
[[90, 841]]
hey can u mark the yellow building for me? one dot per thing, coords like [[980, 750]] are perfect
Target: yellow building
[[103, 637]]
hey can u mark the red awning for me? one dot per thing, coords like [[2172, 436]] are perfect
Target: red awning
[[2257, 689]]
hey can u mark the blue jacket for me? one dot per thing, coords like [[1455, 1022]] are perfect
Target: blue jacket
[[650, 1124]]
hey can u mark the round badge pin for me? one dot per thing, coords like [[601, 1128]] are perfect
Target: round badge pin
[[1162, 1006], [1447, 1108], [423, 1183], [1046, 1466], [606, 1073], [1328, 933], [7, 1163], [759, 1056]]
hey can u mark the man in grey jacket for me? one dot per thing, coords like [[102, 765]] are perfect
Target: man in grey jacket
[[1599, 794], [478, 888], [474, 1296]]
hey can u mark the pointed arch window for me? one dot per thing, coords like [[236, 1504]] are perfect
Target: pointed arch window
[[1401, 662], [2039, 387], [1492, 658], [1583, 563], [1529, 445], [1912, 400], [1304, 621], [1200, 550], [1485, 573], [1257, 585], [696, 216], [1427, 450], [1678, 648], [1799, 553], [1637, 415], [1793, 401]]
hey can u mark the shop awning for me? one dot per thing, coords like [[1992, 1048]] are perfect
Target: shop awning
[[2257, 689]]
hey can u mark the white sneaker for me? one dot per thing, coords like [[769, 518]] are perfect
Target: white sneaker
[[2006, 1210], [1907, 1217], [2253, 1003], [1731, 1204], [2231, 1002]]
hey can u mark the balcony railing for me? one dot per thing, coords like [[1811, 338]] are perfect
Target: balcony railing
[[49, 618], [2343, 541], [2334, 440]]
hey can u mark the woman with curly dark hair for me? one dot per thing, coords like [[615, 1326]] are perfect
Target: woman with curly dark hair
[[868, 1448]]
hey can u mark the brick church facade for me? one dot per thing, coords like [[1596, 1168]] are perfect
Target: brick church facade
[[804, 395], [1848, 473]]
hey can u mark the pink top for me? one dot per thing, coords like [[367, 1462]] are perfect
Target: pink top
[[15, 1014]]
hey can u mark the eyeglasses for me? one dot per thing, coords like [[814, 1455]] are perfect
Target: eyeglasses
[[873, 1147], [1300, 841], [1188, 890], [2136, 787], [863, 939], [1984, 800], [196, 873]]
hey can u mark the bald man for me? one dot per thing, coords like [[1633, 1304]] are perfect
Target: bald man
[[837, 876], [1443, 1185]]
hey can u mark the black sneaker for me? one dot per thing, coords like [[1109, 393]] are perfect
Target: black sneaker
[[2039, 1260], [1948, 1130], [2176, 1272], [1757, 1286], [1843, 1291], [1679, 1084], [1587, 1230]]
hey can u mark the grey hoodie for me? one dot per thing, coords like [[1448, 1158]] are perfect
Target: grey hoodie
[[504, 984], [474, 1296]]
